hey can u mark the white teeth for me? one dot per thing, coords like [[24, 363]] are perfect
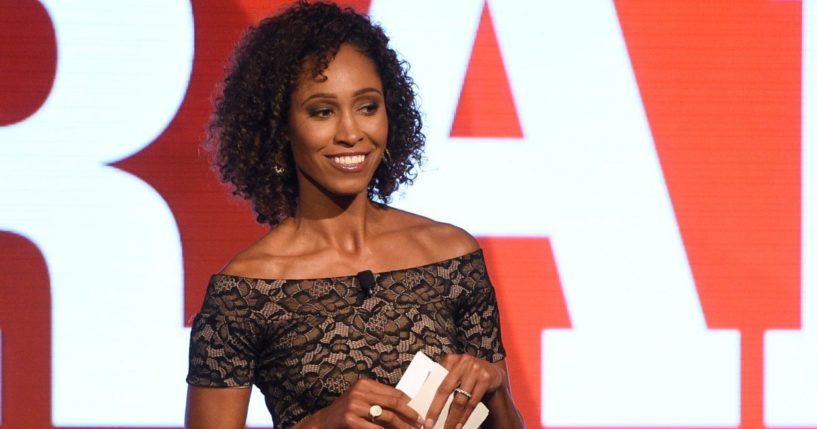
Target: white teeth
[[349, 159]]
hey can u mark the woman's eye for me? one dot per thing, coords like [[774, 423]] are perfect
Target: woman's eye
[[320, 113], [370, 108]]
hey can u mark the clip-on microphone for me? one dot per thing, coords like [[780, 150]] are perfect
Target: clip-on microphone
[[366, 280]]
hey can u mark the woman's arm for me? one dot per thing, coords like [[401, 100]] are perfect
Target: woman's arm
[[216, 407], [503, 411]]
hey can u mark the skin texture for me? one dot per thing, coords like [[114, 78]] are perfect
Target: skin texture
[[337, 230], [216, 407]]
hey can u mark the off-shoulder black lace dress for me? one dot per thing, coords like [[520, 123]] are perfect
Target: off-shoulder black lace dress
[[304, 342]]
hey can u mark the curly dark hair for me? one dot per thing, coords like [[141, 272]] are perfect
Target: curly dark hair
[[248, 132]]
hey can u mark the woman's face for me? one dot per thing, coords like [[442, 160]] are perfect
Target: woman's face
[[338, 125]]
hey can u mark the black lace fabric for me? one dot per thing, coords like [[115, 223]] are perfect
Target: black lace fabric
[[304, 342]]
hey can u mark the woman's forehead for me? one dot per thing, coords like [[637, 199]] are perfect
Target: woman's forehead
[[349, 70]]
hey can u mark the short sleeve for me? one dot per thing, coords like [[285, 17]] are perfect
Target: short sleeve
[[223, 338], [478, 330]]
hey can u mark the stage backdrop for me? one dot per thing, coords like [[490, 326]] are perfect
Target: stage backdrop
[[641, 174]]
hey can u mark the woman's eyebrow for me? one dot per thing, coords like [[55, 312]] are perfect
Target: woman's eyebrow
[[334, 96], [366, 90], [319, 95]]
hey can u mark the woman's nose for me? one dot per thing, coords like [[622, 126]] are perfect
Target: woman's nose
[[348, 131]]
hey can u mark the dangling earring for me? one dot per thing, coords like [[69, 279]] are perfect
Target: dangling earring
[[386, 156], [280, 162]]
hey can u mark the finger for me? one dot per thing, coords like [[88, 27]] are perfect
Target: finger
[[449, 383], [359, 418], [365, 394], [363, 424], [369, 392], [380, 389], [459, 405], [451, 360], [479, 381], [392, 420], [400, 408], [477, 393]]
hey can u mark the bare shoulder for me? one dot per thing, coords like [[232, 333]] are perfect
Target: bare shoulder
[[250, 262], [437, 240], [259, 260], [456, 240]]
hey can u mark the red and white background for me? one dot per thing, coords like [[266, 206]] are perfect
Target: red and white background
[[642, 176]]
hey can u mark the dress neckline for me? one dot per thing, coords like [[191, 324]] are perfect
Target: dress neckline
[[470, 255]]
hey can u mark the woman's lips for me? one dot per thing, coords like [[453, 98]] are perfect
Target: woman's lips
[[349, 162]]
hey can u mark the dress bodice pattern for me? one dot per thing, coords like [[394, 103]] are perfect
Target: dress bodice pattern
[[304, 342]]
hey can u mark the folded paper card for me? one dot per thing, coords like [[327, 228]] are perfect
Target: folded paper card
[[420, 382]]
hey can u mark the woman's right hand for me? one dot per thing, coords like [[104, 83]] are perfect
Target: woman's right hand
[[351, 410]]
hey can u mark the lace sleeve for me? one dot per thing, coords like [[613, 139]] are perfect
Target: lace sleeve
[[223, 338], [478, 331]]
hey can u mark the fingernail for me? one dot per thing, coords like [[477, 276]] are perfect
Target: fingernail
[[420, 421], [429, 424], [459, 425]]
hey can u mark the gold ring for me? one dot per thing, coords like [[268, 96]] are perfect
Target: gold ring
[[375, 411], [462, 392]]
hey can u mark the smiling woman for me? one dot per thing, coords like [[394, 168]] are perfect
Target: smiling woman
[[317, 126], [250, 131], [339, 126]]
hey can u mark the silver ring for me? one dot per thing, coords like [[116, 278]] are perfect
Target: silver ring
[[462, 392], [375, 411]]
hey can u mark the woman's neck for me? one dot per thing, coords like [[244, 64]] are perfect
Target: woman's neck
[[342, 223]]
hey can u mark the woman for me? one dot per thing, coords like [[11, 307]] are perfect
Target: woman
[[317, 126]]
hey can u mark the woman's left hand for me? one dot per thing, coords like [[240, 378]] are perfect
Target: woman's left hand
[[467, 375]]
